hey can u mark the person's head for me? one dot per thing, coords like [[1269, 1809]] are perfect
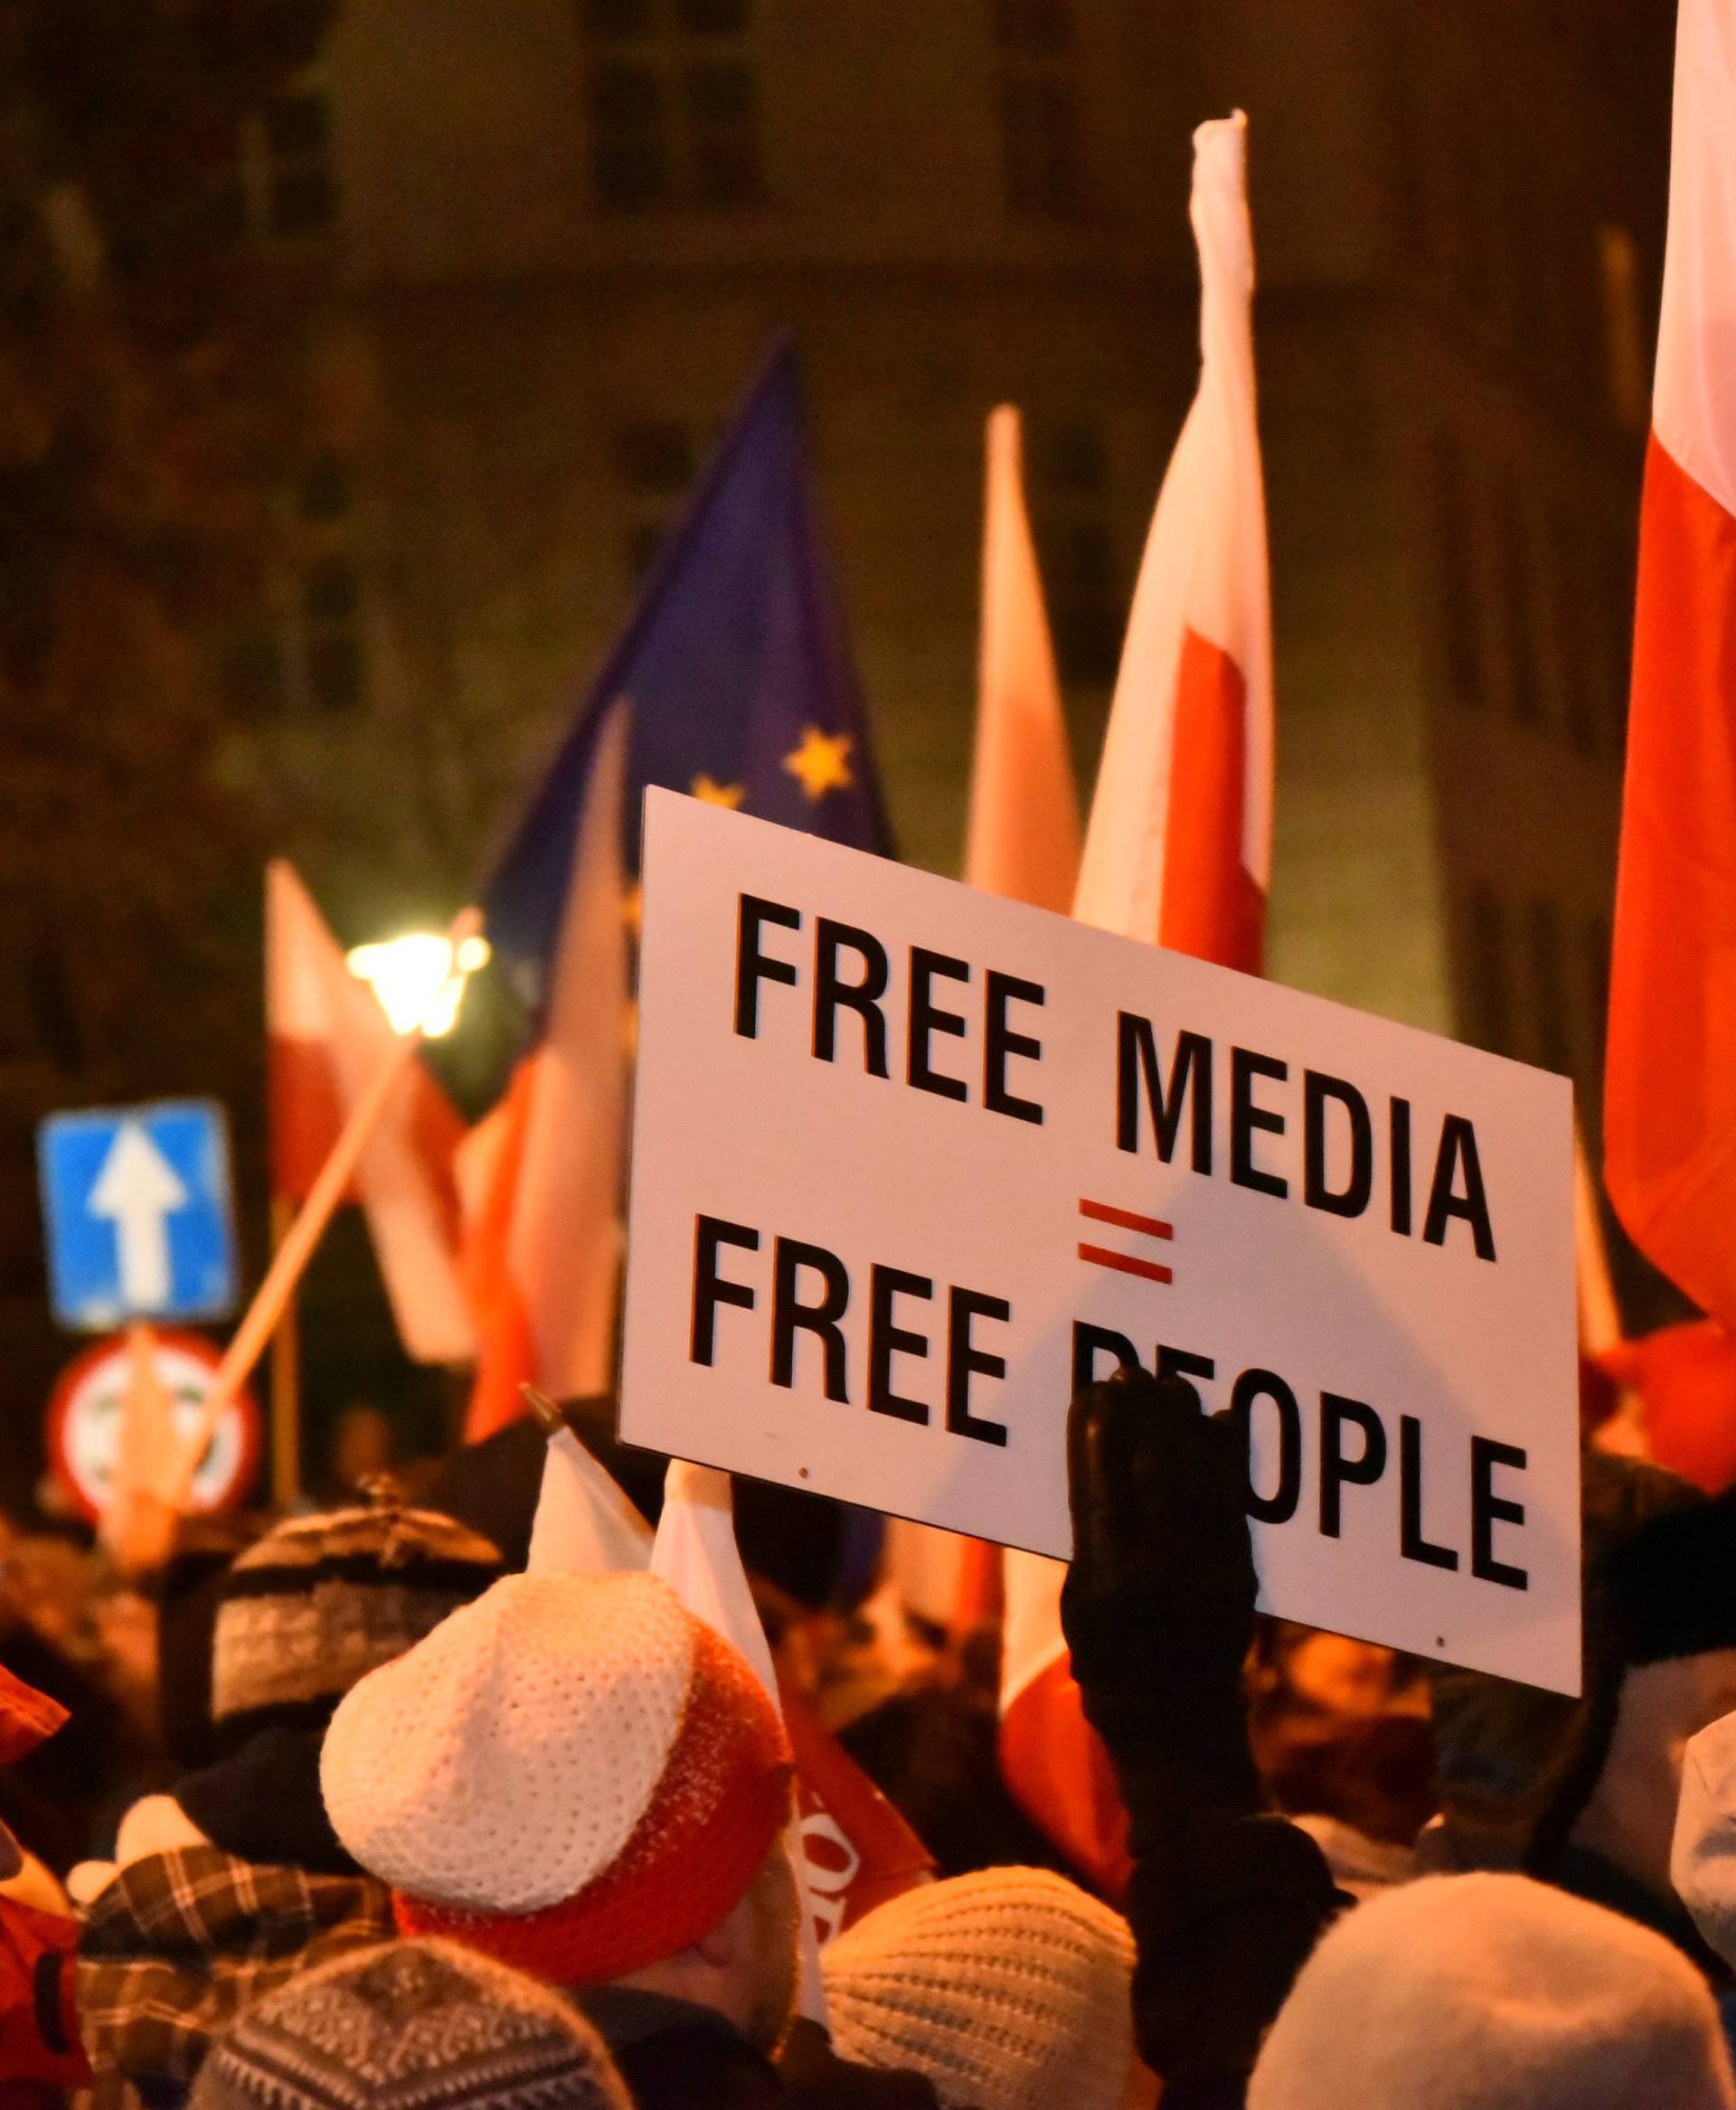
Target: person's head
[[1526, 1775], [1670, 1588], [320, 1601], [405, 2026], [1009, 1990], [1703, 1860], [578, 1777], [1493, 1992]]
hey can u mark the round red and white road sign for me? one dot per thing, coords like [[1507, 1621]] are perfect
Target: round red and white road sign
[[84, 1415]]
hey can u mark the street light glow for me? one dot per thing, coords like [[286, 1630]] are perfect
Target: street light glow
[[410, 975]]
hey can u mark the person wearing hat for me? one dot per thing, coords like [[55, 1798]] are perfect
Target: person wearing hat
[[40, 2051], [1226, 1898], [1583, 1794], [1009, 1988], [577, 1778], [406, 2026], [224, 1887], [1493, 1992]]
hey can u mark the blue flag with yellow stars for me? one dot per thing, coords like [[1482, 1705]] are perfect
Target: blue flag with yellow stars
[[737, 674]]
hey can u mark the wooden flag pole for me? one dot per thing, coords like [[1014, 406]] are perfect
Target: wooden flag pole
[[286, 1375], [290, 1260]]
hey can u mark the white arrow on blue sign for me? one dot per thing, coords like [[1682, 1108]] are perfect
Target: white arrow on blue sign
[[138, 1212]]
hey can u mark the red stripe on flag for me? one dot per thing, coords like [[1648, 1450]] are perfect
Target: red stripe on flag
[[1670, 1094], [1059, 1773], [1213, 908]]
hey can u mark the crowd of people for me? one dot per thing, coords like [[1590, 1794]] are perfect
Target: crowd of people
[[353, 1809]]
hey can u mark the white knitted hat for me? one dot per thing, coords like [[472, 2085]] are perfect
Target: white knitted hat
[[572, 1773], [1703, 1860], [1010, 1990], [1493, 1992]]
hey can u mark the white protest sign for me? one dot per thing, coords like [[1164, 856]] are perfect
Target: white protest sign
[[910, 1160]]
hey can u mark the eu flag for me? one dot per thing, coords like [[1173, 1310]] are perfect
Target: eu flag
[[737, 674]]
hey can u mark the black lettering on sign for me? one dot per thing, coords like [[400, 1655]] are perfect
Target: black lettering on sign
[[965, 1360], [1459, 1152], [833, 993], [751, 966], [709, 1289], [1280, 1507], [1246, 1118], [1319, 1092], [1190, 1069], [1400, 1129], [789, 1315], [1090, 1341], [1338, 1472], [926, 1018], [1000, 1042], [1413, 1545], [886, 1340], [1182, 1362], [1489, 1509]]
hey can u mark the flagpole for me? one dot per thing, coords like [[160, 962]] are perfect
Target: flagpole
[[285, 1375], [290, 1262]]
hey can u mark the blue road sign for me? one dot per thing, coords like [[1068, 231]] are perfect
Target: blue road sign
[[138, 1212]]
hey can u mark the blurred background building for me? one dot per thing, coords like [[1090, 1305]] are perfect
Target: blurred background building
[[534, 249]]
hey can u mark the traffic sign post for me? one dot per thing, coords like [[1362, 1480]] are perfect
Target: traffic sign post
[[88, 1414], [137, 1207]]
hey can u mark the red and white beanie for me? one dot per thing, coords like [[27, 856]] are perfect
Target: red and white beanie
[[572, 1775]]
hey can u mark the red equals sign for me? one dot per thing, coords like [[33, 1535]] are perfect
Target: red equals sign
[[1125, 1220]]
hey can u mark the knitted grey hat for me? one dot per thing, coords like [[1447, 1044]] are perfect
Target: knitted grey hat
[[320, 1601], [414, 2025]]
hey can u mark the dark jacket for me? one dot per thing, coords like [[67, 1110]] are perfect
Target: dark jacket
[[1226, 1899], [673, 2055]]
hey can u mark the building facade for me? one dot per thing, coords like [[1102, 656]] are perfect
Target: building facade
[[552, 238]]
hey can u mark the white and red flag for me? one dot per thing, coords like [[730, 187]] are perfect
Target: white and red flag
[[327, 1039], [1179, 847], [1669, 1119], [1179, 851], [1021, 840], [543, 1245]]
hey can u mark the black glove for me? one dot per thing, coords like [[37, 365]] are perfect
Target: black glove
[[1159, 1603]]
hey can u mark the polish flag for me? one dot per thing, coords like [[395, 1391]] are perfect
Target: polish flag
[[1179, 847], [848, 1846], [543, 1245], [1021, 840], [1178, 851], [328, 1038], [1670, 1081], [1022, 837]]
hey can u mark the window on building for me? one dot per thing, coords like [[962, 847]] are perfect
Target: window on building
[[1550, 1006], [657, 458], [1080, 571], [1522, 643], [1594, 940], [310, 654], [1456, 551], [1040, 153], [1488, 985], [1626, 364], [1615, 586], [284, 185], [1574, 621], [673, 103]]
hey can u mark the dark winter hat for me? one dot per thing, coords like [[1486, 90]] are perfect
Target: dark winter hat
[[416, 2025], [320, 1601], [1516, 1764]]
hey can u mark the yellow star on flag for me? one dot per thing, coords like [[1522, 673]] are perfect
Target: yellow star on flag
[[728, 795], [822, 762]]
